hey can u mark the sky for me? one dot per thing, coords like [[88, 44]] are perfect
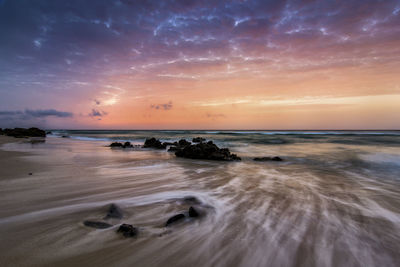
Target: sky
[[127, 64]]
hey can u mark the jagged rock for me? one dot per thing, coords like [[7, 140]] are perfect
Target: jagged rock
[[182, 143], [23, 132], [154, 143], [114, 212], [124, 145], [268, 159], [193, 212], [116, 144], [97, 225], [206, 151], [198, 140], [127, 230], [49, 132], [174, 219], [127, 145]]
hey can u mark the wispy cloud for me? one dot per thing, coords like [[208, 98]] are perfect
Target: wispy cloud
[[97, 113], [166, 106]]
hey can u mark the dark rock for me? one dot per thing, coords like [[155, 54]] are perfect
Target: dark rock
[[49, 132], [268, 159], [182, 143], [191, 200], [206, 151], [114, 212], [193, 212], [1, 131], [154, 143], [175, 218], [64, 136], [198, 140], [127, 145], [116, 144], [127, 230], [30, 173], [97, 225], [23, 132]]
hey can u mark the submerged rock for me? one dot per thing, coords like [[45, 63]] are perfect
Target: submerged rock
[[193, 212], [268, 159], [97, 225], [154, 143], [127, 230], [114, 212], [191, 200], [170, 143], [173, 149], [175, 218], [206, 151], [23, 132], [198, 140]]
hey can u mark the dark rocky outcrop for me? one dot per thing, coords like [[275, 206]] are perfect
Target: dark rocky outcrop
[[49, 132], [206, 151], [198, 140], [114, 212], [124, 145], [23, 132], [193, 212], [127, 230], [268, 159], [175, 218], [154, 143], [183, 143], [64, 136], [97, 225], [1, 131]]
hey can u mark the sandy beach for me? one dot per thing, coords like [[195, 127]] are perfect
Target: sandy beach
[[329, 203], [12, 163]]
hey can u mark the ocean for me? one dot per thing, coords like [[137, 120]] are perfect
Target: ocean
[[334, 200]]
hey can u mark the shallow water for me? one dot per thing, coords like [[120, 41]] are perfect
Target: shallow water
[[333, 201]]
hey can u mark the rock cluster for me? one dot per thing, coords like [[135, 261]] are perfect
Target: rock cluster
[[154, 143], [206, 151], [192, 213], [268, 159], [127, 230], [23, 132], [124, 145]]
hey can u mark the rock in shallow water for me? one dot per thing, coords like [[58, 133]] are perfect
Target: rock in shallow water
[[175, 218], [127, 230], [114, 212], [193, 212], [268, 159], [154, 143], [97, 225], [206, 151]]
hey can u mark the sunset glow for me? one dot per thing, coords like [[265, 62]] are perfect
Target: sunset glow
[[200, 65]]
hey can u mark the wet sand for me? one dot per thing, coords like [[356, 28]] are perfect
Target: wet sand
[[322, 206]]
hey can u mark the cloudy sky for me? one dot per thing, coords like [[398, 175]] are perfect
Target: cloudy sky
[[131, 64]]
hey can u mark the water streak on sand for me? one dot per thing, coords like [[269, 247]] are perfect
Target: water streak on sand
[[333, 201]]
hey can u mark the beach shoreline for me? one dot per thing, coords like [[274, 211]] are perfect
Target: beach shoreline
[[13, 164]]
